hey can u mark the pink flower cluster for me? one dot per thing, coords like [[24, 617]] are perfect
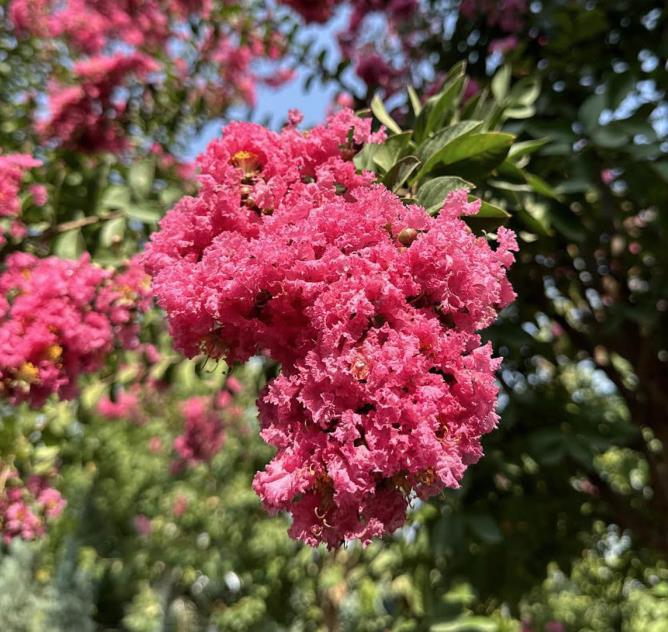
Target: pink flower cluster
[[379, 54], [89, 116], [92, 24], [371, 307], [125, 405], [24, 508], [203, 433], [117, 46], [61, 318], [12, 170]]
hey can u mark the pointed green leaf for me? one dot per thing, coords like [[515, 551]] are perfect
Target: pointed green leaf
[[389, 152], [590, 111], [140, 177], [527, 147], [432, 146], [69, 245], [115, 197], [146, 213], [525, 92], [489, 211], [501, 83], [112, 231], [415, 100], [400, 172], [379, 111], [435, 109], [471, 156]]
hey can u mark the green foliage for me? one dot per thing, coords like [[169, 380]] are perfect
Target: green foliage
[[31, 601], [444, 150], [564, 520]]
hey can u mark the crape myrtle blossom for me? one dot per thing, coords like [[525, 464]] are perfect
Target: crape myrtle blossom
[[371, 306], [12, 169], [381, 50], [125, 54], [91, 25], [61, 318], [89, 115], [203, 433], [26, 507]]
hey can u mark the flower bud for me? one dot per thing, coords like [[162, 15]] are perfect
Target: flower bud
[[407, 236]]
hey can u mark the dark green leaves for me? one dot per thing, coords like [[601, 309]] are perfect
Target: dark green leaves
[[433, 115], [470, 156]]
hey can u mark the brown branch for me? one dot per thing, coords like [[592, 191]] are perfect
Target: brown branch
[[81, 223]]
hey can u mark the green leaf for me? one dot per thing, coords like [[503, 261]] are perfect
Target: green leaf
[[389, 152], [379, 111], [146, 213], [112, 231], [445, 101], [364, 159], [140, 177], [432, 146], [170, 195], [661, 168], [115, 197], [69, 245], [521, 112], [527, 147], [489, 211], [590, 111], [432, 193], [525, 92], [501, 83], [400, 172], [610, 137], [540, 186], [473, 155], [485, 527], [433, 113], [414, 100]]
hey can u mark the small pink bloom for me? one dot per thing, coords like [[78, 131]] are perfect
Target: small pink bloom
[[504, 45], [142, 525], [180, 506], [39, 194]]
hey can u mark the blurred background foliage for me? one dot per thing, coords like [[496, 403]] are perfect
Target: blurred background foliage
[[561, 526]]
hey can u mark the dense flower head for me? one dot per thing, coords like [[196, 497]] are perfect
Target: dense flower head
[[61, 318], [203, 433], [25, 508], [12, 169], [371, 306]]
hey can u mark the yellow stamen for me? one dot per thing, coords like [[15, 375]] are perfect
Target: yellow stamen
[[54, 353], [247, 161], [28, 372]]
